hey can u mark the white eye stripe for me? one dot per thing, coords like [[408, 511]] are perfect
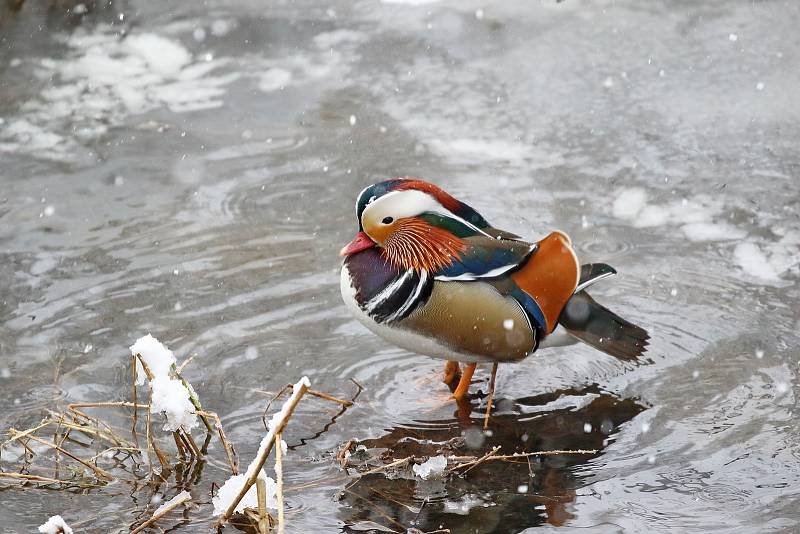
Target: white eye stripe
[[410, 203]]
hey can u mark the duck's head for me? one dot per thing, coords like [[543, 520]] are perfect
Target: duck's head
[[416, 224]]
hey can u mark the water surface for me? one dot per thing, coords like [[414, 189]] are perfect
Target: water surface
[[190, 171]]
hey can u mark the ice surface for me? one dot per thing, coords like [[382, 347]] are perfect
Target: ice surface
[[274, 79], [629, 203], [433, 467], [702, 231], [55, 525], [331, 39], [164, 56], [753, 261], [410, 2], [101, 80]]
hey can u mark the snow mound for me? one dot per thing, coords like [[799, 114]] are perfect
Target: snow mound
[[231, 488], [157, 357], [169, 395], [55, 525]]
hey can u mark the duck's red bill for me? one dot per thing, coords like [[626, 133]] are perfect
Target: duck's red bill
[[360, 242]]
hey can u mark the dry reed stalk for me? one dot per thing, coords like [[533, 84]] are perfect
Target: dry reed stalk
[[471, 461], [98, 422], [279, 481], [161, 513], [478, 461], [100, 472], [15, 435], [229, 452], [127, 449], [135, 399], [33, 478], [491, 397], [320, 395], [396, 463], [115, 404], [259, 461], [263, 518], [191, 443], [80, 427], [179, 444]]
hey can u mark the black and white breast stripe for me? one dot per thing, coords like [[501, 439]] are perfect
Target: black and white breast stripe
[[400, 297]]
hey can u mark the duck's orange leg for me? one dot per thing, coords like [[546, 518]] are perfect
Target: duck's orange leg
[[452, 373], [463, 385]]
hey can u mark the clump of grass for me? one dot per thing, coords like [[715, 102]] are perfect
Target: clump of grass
[[55, 453]]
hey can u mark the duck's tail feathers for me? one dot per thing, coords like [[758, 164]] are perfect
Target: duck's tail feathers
[[602, 329]]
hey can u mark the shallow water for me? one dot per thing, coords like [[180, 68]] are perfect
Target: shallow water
[[196, 178]]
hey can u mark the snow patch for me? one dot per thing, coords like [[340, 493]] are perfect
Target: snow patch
[[231, 488], [434, 466], [101, 80], [55, 525], [753, 261], [169, 395], [702, 231], [328, 40], [155, 354], [274, 79]]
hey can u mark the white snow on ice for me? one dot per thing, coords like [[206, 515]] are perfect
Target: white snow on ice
[[55, 525], [699, 218], [434, 466], [101, 80]]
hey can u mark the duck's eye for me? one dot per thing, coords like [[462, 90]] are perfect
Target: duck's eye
[[387, 220]]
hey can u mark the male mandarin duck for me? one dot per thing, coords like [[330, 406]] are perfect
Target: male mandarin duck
[[429, 274]]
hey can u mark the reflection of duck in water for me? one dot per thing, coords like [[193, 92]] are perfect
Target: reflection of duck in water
[[499, 497], [430, 274]]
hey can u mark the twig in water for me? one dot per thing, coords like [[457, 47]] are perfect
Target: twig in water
[[491, 397], [323, 396], [34, 478], [135, 400], [98, 471], [263, 518], [279, 482], [161, 512], [229, 451], [478, 461], [491, 456], [258, 463]]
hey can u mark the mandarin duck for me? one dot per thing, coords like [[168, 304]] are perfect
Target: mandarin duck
[[429, 274]]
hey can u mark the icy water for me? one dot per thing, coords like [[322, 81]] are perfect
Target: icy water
[[192, 172]]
